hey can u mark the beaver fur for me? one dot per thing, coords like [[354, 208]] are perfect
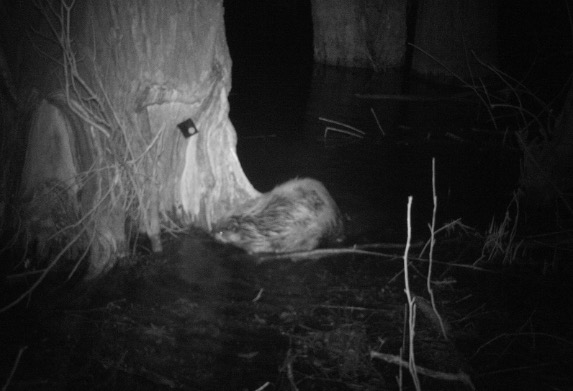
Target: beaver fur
[[298, 215]]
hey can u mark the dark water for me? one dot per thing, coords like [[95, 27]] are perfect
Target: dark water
[[278, 96], [276, 111]]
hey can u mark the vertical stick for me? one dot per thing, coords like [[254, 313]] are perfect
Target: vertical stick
[[431, 254], [411, 304]]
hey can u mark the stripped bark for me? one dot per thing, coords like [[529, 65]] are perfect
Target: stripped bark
[[131, 71]]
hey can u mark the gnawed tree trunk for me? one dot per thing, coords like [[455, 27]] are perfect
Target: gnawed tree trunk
[[58, 152], [131, 71], [363, 34], [454, 33]]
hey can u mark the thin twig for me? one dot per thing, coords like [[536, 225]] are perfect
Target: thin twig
[[13, 371], [448, 227], [411, 303], [431, 254], [460, 376], [329, 252], [343, 131], [28, 292], [290, 375], [261, 388], [342, 124], [378, 122], [416, 98]]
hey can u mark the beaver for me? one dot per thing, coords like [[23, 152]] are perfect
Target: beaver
[[298, 215]]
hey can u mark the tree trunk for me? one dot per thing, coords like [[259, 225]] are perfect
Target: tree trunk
[[456, 34], [132, 71], [364, 34]]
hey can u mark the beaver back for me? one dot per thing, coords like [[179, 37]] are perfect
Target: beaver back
[[298, 215]]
